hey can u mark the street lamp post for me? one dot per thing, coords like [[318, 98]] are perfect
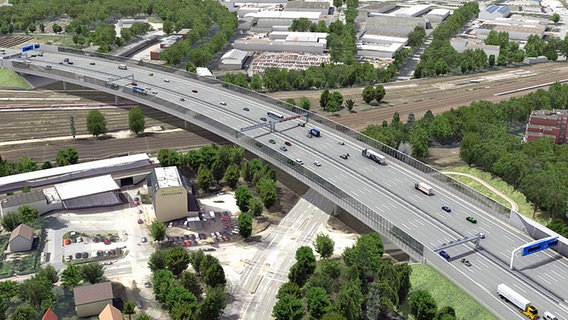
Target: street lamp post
[[2, 209]]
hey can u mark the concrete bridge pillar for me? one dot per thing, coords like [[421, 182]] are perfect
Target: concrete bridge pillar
[[116, 100], [64, 86]]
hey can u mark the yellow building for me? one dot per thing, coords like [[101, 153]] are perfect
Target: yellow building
[[173, 195]]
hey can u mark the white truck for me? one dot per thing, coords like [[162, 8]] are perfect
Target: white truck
[[368, 153], [426, 189], [516, 299]]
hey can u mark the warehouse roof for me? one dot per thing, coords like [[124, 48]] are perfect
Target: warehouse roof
[[317, 5], [311, 15], [236, 55], [85, 187]]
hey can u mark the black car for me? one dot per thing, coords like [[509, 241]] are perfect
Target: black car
[[446, 208], [202, 236], [85, 255], [78, 255]]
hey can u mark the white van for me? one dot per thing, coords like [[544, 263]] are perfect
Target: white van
[[212, 214], [549, 316], [122, 66]]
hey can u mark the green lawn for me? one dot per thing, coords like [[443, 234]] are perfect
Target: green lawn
[[525, 207], [11, 80], [446, 294]]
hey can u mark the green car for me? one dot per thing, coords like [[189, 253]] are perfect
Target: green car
[[471, 219]]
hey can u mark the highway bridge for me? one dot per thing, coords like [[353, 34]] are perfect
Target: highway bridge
[[381, 196]]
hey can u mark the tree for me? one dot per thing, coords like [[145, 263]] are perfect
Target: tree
[[93, 272], [266, 188], [177, 260], [8, 289], [143, 316], [136, 121], [3, 309], [324, 245], [56, 28], [215, 276], [212, 307], [72, 127], [183, 311], [157, 260], [379, 93], [232, 176], [191, 282], [178, 294], [158, 230], [129, 309], [305, 103], [317, 301], [245, 225], [71, 276], [32, 28], [23, 312], [368, 94], [11, 221], [46, 165], [218, 170], [290, 288], [349, 104], [28, 214], [446, 313], [256, 82], [422, 305], [96, 123], [255, 207], [36, 291], [204, 177], [67, 156], [324, 99], [49, 272], [168, 27], [243, 196], [196, 257], [163, 280], [288, 307], [555, 18]]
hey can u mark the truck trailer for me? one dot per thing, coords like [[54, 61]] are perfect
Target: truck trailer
[[314, 132], [519, 301], [426, 189], [368, 153]]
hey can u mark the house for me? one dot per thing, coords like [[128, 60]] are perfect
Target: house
[[49, 315], [90, 300], [110, 313], [21, 239]]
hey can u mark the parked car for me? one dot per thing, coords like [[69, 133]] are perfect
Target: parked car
[[466, 262], [68, 258], [78, 255], [143, 239], [147, 284], [471, 219], [283, 148], [446, 208], [85, 255], [134, 83], [140, 221], [139, 304], [445, 255]]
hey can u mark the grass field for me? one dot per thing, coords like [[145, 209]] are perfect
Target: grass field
[[10, 79], [525, 207], [446, 294]]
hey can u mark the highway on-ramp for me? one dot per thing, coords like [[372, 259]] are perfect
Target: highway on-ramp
[[388, 190]]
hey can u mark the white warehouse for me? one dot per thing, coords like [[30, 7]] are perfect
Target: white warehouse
[[284, 41], [414, 11]]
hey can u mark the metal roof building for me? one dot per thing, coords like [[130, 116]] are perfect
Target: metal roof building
[[494, 11], [394, 25], [413, 11], [437, 15], [173, 195], [233, 60], [309, 6], [90, 192]]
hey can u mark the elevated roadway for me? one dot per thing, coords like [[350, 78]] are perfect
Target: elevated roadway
[[383, 197]]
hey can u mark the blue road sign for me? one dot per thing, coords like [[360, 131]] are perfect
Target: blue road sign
[[539, 246]]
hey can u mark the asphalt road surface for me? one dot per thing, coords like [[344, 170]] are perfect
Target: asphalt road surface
[[389, 191]]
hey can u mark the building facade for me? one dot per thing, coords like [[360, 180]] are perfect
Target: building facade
[[173, 195], [547, 124], [21, 238], [90, 300]]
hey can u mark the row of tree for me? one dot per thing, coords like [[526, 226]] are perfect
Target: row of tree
[[181, 291], [361, 285], [27, 164], [26, 214]]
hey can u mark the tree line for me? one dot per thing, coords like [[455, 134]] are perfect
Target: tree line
[[360, 285], [188, 295]]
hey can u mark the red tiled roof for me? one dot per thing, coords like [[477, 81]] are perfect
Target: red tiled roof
[[49, 315]]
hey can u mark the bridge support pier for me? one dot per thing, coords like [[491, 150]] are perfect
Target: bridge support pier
[[64, 86], [116, 100]]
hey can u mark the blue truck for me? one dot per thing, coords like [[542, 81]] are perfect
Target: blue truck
[[314, 132], [138, 89]]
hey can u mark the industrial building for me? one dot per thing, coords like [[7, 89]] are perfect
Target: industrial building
[[516, 32], [437, 15], [378, 46], [308, 6], [397, 26], [285, 41], [233, 59], [463, 44], [173, 195], [413, 11], [493, 12], [547, 124], [264, 21]]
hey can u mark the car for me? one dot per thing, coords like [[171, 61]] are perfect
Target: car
[[70, 62], [303, 124], [147, 284], [78, 255], [446, 208], [48, 66], [471, 219], [60, 63], [108, 263], [445, 255], [209, 249], [300, 162], [136, 199], [92, 63], [106, 241], [112, 252], [143, 239], [283, 148], [481, 235], [246, 109], [287, 143], [202, 236], [181, 99], [100, 253], [140, 221], [40, 54], [341, 143], [223, 103], [68, 258], [139, 304], [151, 74], [167, 80], [194, 91], [466, 262], [344, 156], [134, 83], [263, 119], [171, 224], [85, 255], [317, 163], [66, 60]]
